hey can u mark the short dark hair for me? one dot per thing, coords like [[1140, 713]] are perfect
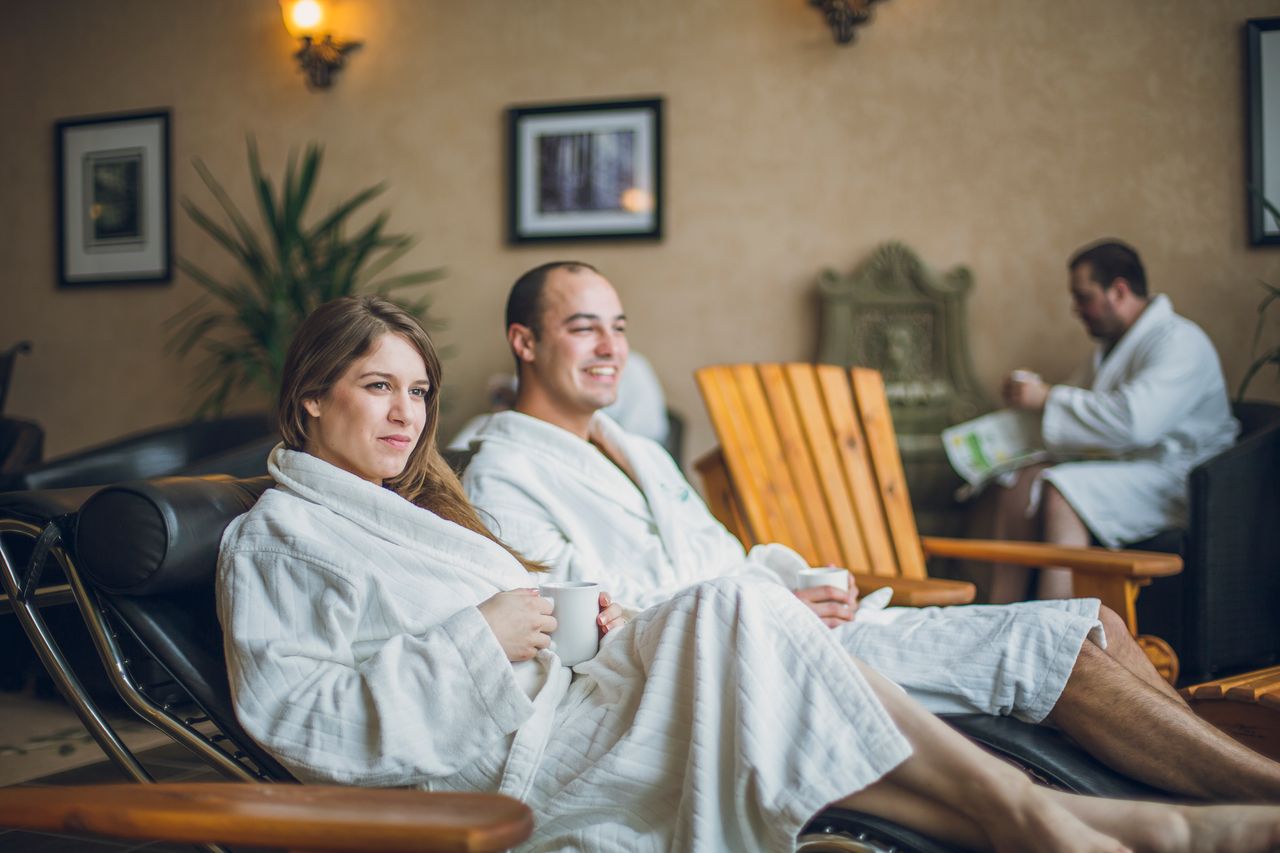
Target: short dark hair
[[1109, 260], [524, 304]]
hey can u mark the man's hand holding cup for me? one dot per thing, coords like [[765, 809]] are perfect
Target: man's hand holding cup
[[1025, 390]]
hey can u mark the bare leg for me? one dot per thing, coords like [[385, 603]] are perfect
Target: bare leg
[[973, 798], [956, 792], [1124, 650], [890, 801], [1139, 730], [1009, 521], [1061, 527]]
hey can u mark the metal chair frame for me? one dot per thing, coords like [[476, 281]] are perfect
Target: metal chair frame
[[26, 599]]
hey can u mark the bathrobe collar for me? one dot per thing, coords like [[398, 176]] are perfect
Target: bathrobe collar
[[1108, 368], [381, 511]]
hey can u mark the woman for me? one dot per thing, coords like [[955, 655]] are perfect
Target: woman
[[377, 634]]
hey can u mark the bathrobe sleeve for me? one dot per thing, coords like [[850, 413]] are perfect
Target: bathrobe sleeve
[[334, 706], [1161, 387]]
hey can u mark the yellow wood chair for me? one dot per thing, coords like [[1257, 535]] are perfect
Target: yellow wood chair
[[808, 458], [1245, 706]]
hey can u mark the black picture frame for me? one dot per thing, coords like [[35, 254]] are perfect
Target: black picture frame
[[113, 188], [1262, 63], [585, 171]]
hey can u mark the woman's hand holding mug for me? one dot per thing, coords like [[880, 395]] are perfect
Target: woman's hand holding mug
[[521, 620]]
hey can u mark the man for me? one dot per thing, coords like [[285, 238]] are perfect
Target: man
[[565, 485], [1152, 401], [641, 407]]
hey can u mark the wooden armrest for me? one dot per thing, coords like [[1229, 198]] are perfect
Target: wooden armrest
[[1096, 561], [918, 593], [296, 817]]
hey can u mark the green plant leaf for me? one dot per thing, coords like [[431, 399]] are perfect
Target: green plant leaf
[[243, 322], [346, 208], [249, 247], [1271, 356]]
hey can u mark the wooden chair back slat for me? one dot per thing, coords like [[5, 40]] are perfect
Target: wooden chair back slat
[[801, 466], [791, 527], [800, 462], [856, 465], [814, 420], [873, 411], [742, 456]]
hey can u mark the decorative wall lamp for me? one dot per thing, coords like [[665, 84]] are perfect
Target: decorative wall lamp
[[843, 15], [320, 55]]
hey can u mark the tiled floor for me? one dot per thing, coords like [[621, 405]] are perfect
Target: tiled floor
[[172, 763]]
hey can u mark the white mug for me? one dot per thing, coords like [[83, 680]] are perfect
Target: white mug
[[829, 576], [1025, 376], [575, 604]]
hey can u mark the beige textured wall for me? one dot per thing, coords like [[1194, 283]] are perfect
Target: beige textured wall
[[994, 133]]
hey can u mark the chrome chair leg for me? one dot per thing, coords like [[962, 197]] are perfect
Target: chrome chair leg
[[26, 606]]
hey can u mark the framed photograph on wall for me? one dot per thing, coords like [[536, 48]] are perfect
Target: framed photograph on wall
[[1262, 52], [113, 199], [585, 171]]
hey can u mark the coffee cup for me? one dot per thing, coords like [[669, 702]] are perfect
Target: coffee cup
[[1024, 376], [575, 604], [828, 576]]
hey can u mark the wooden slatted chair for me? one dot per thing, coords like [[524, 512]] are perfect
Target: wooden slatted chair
[[808, 458], [1245, 706]]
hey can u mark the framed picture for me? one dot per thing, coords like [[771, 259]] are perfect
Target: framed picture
[[113, 199], [1262, 51], [585, 171]]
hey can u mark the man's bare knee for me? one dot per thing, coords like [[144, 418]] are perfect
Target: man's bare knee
[[1114, 627]]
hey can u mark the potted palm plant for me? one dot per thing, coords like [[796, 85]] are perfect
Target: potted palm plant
[[285, 267]]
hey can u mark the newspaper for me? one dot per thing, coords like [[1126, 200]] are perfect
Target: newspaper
[[984, 448]]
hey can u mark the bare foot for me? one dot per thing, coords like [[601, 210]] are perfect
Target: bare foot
[[1164, 828], [1231, 829]]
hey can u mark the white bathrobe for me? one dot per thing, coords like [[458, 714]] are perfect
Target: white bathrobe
[[357, 655], [1158, 404], [558, 499]]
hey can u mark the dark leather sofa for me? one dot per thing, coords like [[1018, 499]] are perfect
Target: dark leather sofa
[[1222, 613], [236, 445], [21, 441]]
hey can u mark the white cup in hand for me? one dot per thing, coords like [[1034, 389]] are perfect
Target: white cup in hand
[[575, 604], [1025, 377], [829, 576]]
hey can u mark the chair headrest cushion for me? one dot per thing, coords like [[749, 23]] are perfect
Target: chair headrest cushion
[[153, 536]]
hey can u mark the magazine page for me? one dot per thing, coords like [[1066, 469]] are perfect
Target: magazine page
[[986, 447]]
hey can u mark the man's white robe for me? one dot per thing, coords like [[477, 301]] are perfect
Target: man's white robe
[[722, 720], [558, 499], [1158, 404]]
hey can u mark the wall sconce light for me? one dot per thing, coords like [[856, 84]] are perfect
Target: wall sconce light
[[843, 15], [320, 55]]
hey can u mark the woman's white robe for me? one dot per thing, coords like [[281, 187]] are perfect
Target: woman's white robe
[[357, 655], [1157, 405], [558, 499]]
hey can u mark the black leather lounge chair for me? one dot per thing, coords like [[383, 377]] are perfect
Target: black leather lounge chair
[[139, 561]]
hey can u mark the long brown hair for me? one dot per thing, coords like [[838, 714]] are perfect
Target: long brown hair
[[328, 341]]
